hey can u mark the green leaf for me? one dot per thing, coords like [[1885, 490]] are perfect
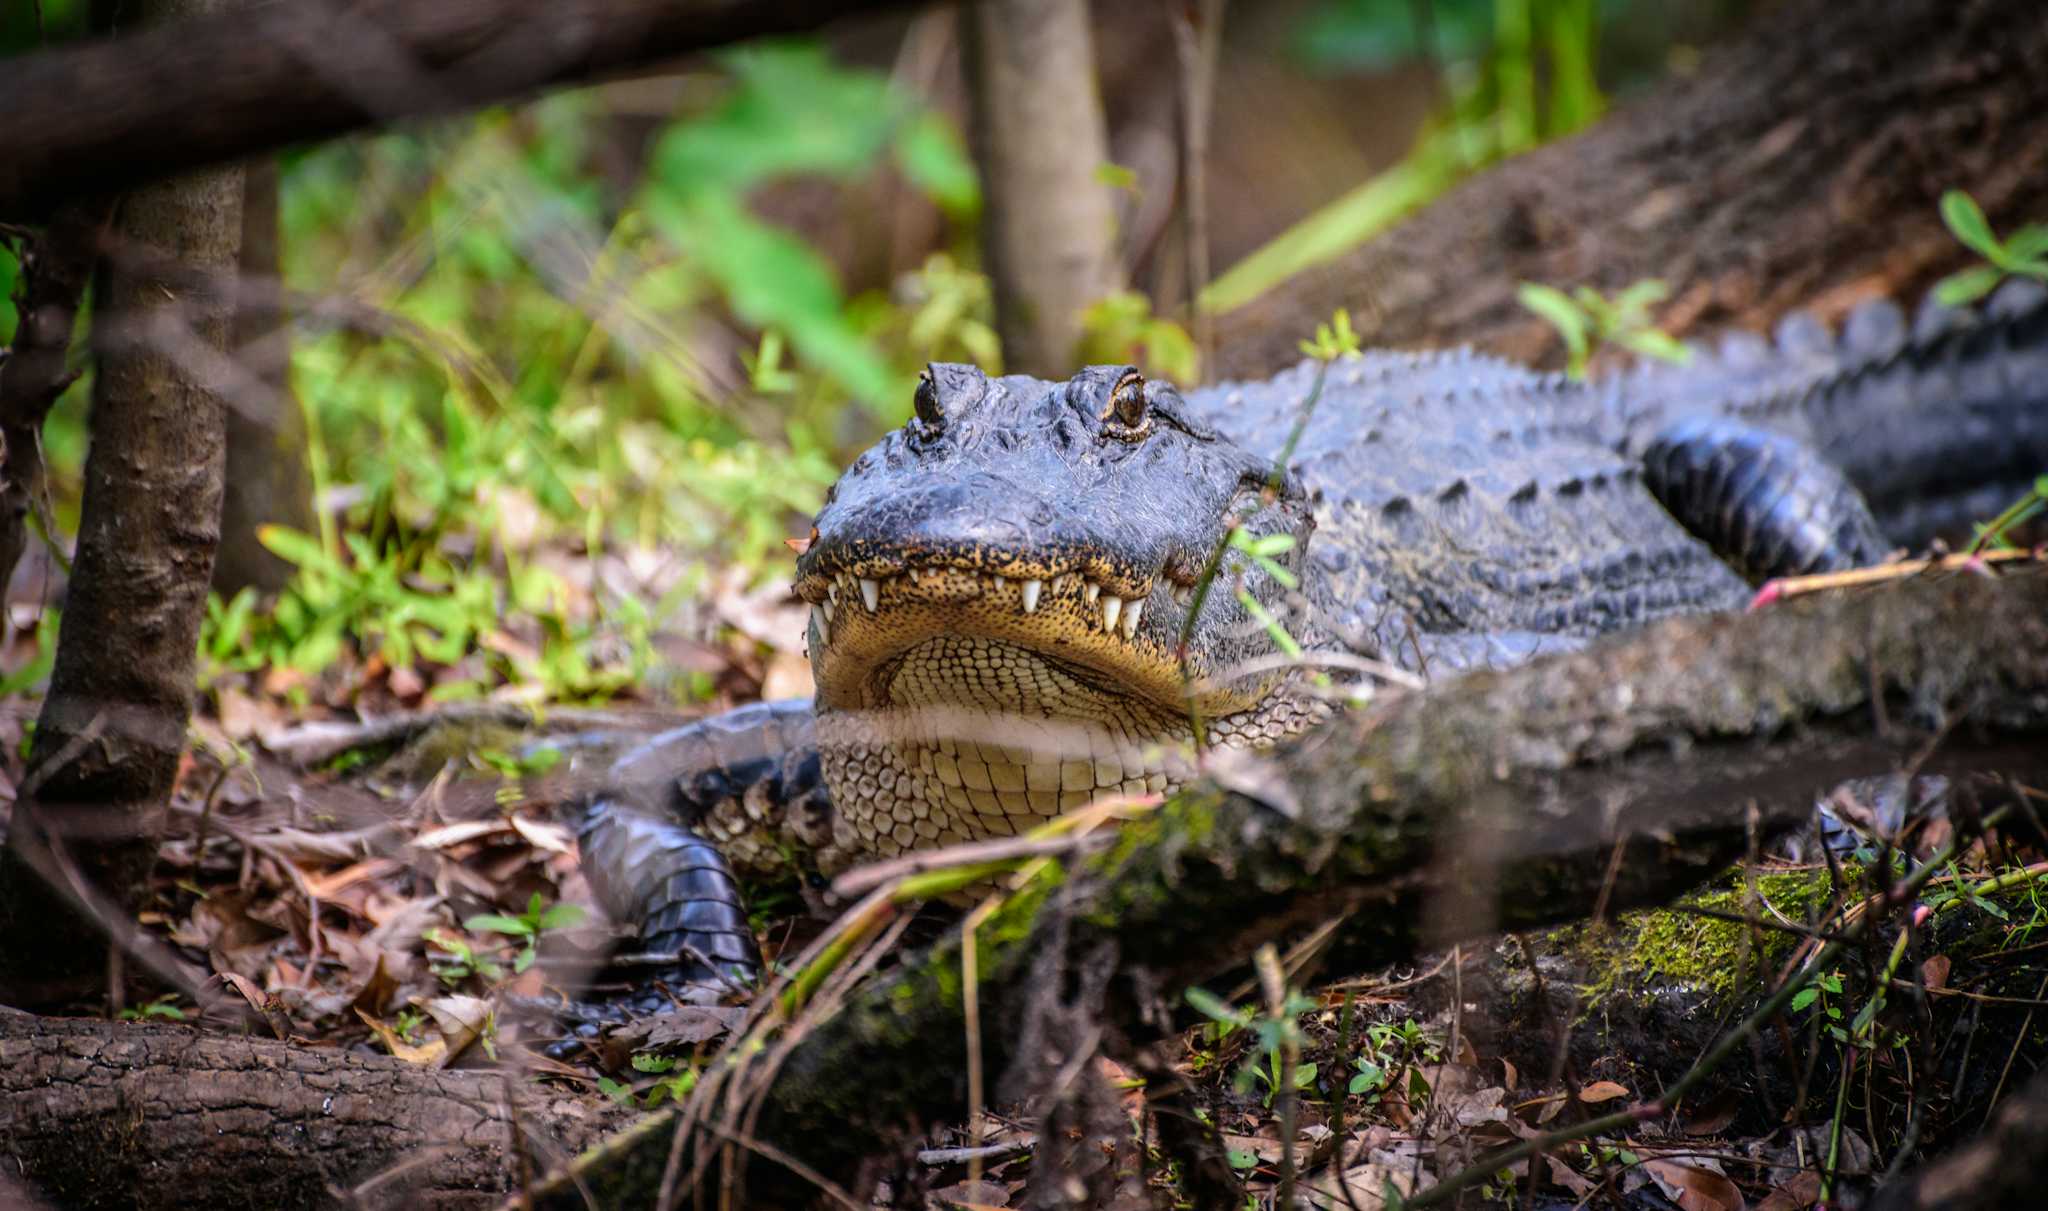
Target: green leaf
[[1566, 316], [1208, 1003], [1968, 285], [1804, 997], [494, 923], [1966, 219], [562, 915], [931, 155], [1242, 1158], [2028, 242], [1652, 343]]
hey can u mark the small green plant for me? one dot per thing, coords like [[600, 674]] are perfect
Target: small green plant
[[163, 1008], [1390, 1047], [1333, 340], [1368, 1081], [1275, 1033], [1587, 319], [515, 768], [2022, 254], [460, 960], [676, 1080], [1997, 531], [1826, 992], [528, 926]]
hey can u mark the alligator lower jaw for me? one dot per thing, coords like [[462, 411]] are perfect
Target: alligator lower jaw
[[1119, 639]]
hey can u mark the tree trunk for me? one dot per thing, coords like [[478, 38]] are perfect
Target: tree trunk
[[160, 1117], [113, 722], [1048, 231], [266, 428], [1799, 165], [1622, 775], [55, 265]]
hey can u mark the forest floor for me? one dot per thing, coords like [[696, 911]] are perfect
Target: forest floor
[[365, 869]]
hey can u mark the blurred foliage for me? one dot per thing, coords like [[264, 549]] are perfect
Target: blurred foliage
[[1587, 319], [537, 374], [1515, 73]]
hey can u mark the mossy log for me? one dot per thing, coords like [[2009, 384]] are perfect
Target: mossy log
[[1621, 775]]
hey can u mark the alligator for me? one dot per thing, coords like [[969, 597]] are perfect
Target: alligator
[[1035, 594]]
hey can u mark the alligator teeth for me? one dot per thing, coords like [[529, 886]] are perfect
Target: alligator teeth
[[823, 624], [1131, 613], [827, 611], [1110, 606], [1031, 588], [1090, 592], [832, 592], [870, 594]]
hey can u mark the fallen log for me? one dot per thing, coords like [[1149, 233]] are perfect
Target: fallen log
[[1621, 775]]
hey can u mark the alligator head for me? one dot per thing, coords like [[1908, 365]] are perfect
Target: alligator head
[[999, 591]]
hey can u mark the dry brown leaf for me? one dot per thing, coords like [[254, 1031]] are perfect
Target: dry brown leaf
[[1694, 1186], [460, 1019], [1570, 1179], [542, 834], [430, 1054], [1713, 1116], [1798, 1192], [1602, 1091], [1935, 971], [328, 886], [455, 834], [1509, 1076]]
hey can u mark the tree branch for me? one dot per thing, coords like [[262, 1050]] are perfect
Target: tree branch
[[103, 116]]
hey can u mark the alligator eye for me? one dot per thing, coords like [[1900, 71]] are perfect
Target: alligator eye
[[1127, 401], [926, 402]]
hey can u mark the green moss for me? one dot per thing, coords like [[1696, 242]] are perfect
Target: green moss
[[1664, 947]]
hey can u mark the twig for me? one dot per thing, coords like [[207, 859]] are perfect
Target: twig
[[981, 1154]]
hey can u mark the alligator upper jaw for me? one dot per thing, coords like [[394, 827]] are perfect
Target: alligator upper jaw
[[1117, 633]]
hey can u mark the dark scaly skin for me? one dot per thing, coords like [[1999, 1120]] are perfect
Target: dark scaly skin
[[1446, 510]]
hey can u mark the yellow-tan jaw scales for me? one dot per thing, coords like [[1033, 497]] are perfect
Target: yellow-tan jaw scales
[[1111, 631]]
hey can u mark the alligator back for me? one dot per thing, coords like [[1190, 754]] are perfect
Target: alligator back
[[1472, 497]]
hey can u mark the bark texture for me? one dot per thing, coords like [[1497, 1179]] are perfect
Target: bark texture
[[107, 116], [1048, 227], [104, 1115], [1798, 166], [113, 721], [267, 479], [1493, 802], [56, 264]]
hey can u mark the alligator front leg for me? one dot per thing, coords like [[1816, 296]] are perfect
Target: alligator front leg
[[1763, 501], [660, 842]]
